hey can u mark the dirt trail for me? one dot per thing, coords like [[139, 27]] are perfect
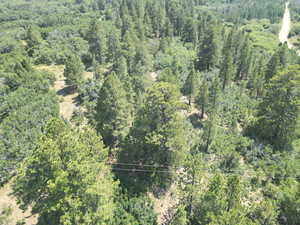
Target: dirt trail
[[286, 26], [154, 76], [67, 97]]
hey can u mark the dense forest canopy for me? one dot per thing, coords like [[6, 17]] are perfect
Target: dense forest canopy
[[149, 112]]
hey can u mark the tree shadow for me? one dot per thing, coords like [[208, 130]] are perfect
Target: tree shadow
[[66, 91], [196, 121], [77, 101]]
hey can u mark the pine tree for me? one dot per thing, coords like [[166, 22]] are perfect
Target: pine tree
[[212, 202], [190, 86], [227, 66], [74, 185], [244, 63], [129, 50], [121, 70], [208, 52], [190, 31], [279, 111], [34, 38], [227, 69], [159, 136], [210, 125], [120, 67], [127, 25], [256, 80], [233, 191], [272, 67], [101, 4], [97, 41], [113, 46], [163, 44], [157, 15], [113, 112], [278, 61], [202, 98], [191, 188], [283, 55], [73, 70], [142, 62], [169, 29], [221, 203]]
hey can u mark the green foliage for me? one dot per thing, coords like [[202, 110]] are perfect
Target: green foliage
[[97, 41], [227, 68], [202, 98], [134, 210], [261, 35], [279, 60], [208, 50], [180, 217], [265, 213], [57, 48], [235, 106], [177, 59], [15, 69], [89, 94], [24, 112], [279, 111], [22, 127], [113, 112], [159, 136], [244, 119], [73, 70], [190, 86], [239, 10], [33, 40], [222, 204], [5, 214], [290, 204], [73, 184]]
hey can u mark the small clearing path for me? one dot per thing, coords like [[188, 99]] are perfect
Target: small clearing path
[[68, 97]]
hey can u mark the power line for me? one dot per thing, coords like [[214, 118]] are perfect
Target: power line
[[140, 170], [147, 165], [170, 169], [142, 165]]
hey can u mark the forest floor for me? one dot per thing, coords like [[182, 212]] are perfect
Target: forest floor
[[165, 205], [17, 214]]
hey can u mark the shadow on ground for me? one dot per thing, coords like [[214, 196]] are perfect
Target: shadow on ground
[[69, 90], [196, 120]]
